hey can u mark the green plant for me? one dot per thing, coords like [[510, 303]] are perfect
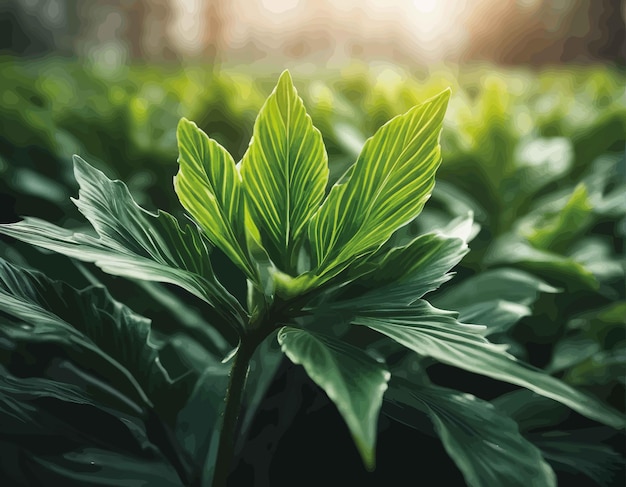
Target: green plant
[[324, 276]]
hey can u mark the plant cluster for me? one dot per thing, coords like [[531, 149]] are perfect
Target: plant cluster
[[343, 277]]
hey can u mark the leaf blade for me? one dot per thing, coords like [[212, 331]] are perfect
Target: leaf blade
[[386, 188], [485, 444], [208, 185], [284, 173], [132, 242], [334, 366], [436, 333]]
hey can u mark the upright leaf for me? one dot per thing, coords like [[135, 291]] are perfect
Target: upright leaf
[[387, 188], [353, 380], [209, 187], [435, 333], [132, 242], [284, 172], [485, 444]]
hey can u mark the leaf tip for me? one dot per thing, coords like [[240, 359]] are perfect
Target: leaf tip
[[285, 77], [184, 123]]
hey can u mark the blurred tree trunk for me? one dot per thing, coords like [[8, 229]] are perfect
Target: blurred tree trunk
[[215, 13], [547, 32]]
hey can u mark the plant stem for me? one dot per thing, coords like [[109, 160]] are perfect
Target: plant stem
[[234, 396]]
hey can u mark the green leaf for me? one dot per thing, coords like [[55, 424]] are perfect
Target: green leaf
[[405, 274], [511, 249], [497, 298], [77, 468], [497, 315], [540, 161], [385, 189], [36, 411], [436, 333], [132, 242], [208, 185], [555, 231], [353, 380], [94, 329], [585, 456], [485, 444], [284, 172], [506, 284]]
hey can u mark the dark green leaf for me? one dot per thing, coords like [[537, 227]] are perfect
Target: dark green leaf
[[353, 380], [132, 242], [435, 333], [485, 444], [89, 323]]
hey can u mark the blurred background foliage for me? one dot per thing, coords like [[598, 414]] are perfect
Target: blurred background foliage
[[533, 143]]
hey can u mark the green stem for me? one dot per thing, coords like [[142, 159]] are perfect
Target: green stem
[[234, 396]]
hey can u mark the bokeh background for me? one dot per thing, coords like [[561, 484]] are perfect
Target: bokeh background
[[533, 145]]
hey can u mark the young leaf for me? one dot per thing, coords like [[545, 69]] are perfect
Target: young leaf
[[208, 185], [284, 172], [435, 333], [387, 188], [485, 444], [353, 380], [132, 242]]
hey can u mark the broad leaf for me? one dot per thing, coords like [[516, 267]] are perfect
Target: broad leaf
[[497, 315], [89, 324], [284, 172], [353, 380], [405, 274], [556, 230], [574, 453], [496, 298], [79, 467], [36, 411], [385, 189], [208, 185], [485, 444], [435, 333], [132, 242], [511, 249], [506, 284]]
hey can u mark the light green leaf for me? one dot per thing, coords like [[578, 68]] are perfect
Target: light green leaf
[[485, 444], [284, 172], [353, 380], [556, 230], [435, 333], [208, 185], [385, 189], [132, 242], [540, 161]]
